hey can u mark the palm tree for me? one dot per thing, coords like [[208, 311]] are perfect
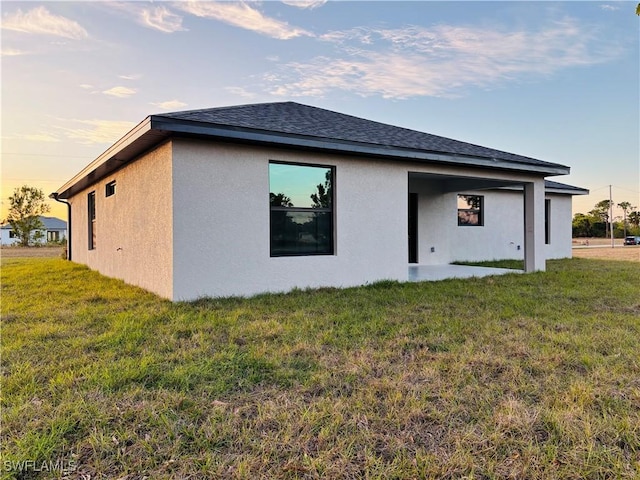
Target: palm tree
[[625, 206]]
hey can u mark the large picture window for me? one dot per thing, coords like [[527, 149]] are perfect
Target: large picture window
[[301, 204], [470, 210]]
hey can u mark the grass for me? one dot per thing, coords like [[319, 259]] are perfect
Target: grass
[[521, 376], [507, 263]]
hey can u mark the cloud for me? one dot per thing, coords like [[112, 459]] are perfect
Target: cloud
[[97, 131], [157, 18], [239, 14], [86, 86], [610, 8], [442, 61], [169, 104], [40, 21], [120, 92], [41, 137], [160, 18], [240, 92], [311, 4], [135, 76], [12, 52], [34, 137]]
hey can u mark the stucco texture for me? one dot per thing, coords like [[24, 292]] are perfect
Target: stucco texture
[[221, 239], [191, 219], [133, 226]]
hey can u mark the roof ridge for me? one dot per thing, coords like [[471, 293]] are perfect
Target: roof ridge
[[494, 152], [223, 107]]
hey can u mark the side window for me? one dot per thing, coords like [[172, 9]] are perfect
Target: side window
[[471, 210], [110, 189], [301, 209], [547, 221], [91, 219]]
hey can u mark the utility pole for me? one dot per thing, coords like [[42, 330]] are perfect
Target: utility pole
[[611, 216]]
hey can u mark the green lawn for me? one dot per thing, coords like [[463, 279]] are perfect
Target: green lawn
[[521, 376]]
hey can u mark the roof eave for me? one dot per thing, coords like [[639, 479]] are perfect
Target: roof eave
[[568, 191], [116, 155], [316, 143], [155, 128]]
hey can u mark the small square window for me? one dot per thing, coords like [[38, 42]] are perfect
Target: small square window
[[110, 189], [471, 210]]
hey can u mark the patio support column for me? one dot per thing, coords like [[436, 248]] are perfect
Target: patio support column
[[534, 255]]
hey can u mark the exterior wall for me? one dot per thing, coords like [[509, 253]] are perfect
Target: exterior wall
[[561, 217], [133, 226], [191, 219], [221, 223], [501, 237], [5, 238]]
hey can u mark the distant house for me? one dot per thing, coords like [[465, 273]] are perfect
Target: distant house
[[55, 230], [269, 197]]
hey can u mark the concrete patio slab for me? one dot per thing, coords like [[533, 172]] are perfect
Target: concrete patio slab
[[419, 273]]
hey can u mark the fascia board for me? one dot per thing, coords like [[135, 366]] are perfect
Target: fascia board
[[276, 139], [168, 126], [134, 134]]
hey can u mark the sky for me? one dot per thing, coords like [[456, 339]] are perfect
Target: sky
[[556, 81]]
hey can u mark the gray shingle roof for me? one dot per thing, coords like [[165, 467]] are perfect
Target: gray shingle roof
[[295, 119], [301, 127], [551, 185], [50, 223]]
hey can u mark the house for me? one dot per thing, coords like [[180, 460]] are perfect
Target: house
[[55, 230], [268, 197]]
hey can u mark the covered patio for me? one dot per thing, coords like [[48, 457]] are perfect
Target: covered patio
[[421, 273]]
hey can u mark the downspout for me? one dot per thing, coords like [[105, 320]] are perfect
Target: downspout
[[54, 196]]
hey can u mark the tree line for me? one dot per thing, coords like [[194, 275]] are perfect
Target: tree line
[[596, 223]]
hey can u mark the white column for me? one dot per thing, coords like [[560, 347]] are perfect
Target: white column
[[534, 255]]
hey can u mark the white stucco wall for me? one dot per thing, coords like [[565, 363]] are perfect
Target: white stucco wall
[[221, 223], [561, 232], [501, 237], [191, 219], [133, 227]]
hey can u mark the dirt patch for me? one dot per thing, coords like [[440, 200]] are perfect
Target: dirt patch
[[13, 252], [630, 253], [590, 241]]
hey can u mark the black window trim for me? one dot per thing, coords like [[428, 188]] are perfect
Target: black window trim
[[91, 219], [479, 210], [547, 221], [110, 189], [331, 210]]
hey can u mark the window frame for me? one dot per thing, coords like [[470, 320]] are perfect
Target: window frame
[[480, 210], [91, 220], [547, 221], [331, 211], [110, 189]]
